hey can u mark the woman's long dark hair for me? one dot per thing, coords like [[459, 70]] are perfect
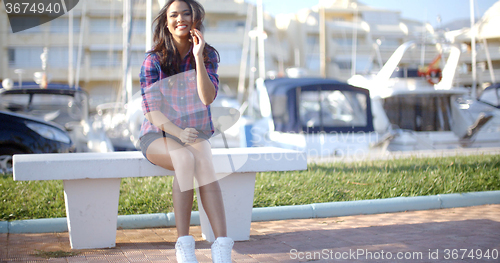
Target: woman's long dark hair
[[163, 42]]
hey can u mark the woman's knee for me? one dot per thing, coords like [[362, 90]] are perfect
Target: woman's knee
[[183, 159], [204, 167]]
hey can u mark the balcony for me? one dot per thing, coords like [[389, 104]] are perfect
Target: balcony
[[217, 35]]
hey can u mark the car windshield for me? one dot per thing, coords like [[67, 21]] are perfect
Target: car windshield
[[58, 108]]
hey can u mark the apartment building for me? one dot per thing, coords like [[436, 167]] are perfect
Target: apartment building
[[358, 38], [487, 38], [98, 45], [96, 50]]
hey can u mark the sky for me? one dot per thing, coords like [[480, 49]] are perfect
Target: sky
[[421, 10]]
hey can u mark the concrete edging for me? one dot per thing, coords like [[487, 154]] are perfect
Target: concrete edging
[[318, 210]]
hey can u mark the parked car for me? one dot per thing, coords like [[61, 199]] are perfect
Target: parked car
[[21, 134], [65, 106]]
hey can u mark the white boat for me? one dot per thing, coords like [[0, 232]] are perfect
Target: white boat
[[413, 114], [396, 110], [118, 126], [322, 117], [491, 95]]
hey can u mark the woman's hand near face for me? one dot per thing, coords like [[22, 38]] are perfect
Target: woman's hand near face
[[206, 88], [198, 43], [188, 135]]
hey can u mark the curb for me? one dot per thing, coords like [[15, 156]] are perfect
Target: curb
[[375, 206], [318, 210]]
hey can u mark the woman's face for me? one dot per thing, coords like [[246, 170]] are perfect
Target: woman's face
[[179, 19]]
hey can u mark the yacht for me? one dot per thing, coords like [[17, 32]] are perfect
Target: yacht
[[322, 117], [413, 113]]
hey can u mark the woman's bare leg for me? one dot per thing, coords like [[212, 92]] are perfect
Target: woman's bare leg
[[210, 192], [183, 204], [169, 154]]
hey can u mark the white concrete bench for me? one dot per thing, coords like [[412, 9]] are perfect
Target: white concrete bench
[[92, 186]]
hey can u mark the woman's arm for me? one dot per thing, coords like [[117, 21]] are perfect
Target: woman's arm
[[206, 88], [158, 119]]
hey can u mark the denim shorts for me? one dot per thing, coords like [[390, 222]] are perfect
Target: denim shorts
[[149, 138]]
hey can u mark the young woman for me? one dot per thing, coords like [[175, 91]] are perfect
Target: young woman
[[179, 81]]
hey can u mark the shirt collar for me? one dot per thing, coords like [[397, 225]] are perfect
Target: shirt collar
[[189, 53]]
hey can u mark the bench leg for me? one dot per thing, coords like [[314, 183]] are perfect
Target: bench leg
[[237, 193], [92, 212]]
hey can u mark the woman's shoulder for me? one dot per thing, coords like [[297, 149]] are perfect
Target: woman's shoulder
[[151, 60], [151, 56]]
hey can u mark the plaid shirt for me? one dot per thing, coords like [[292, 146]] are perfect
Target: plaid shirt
[[176, 96]]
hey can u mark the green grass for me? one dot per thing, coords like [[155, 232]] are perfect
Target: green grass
[[54, 254], [378, 179], [320, 183]]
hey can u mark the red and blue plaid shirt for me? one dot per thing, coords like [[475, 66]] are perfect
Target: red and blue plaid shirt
[[176, 96]]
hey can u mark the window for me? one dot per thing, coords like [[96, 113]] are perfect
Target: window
[[59, 57], [137, 58], [108, 58], [345, 42], [105, 26], [12, 56], [332, 108], [385, 18], [230, 54], [25, 57], [389, 43], [363, 62], [313, 40], [139, 26], [227, 25], [419, 113], [105, 58], [29, 57], [61, 25]]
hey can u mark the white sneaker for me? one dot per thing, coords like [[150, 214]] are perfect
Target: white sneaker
[[184, 250], [221, 250]]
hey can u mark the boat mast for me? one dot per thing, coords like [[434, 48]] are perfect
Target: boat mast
[[260, 39], [354, 38], [127, 35], [322, 41], [80, 45], [473, 48], [70, 48], [149, 21], [244, 55]]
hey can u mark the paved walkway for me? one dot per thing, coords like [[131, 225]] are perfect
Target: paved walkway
[[418, 236]]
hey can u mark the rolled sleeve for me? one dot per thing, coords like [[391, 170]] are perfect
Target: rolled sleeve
[[151, 94], [212, 68]]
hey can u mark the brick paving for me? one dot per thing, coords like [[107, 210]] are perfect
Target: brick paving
[[421, 236]]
